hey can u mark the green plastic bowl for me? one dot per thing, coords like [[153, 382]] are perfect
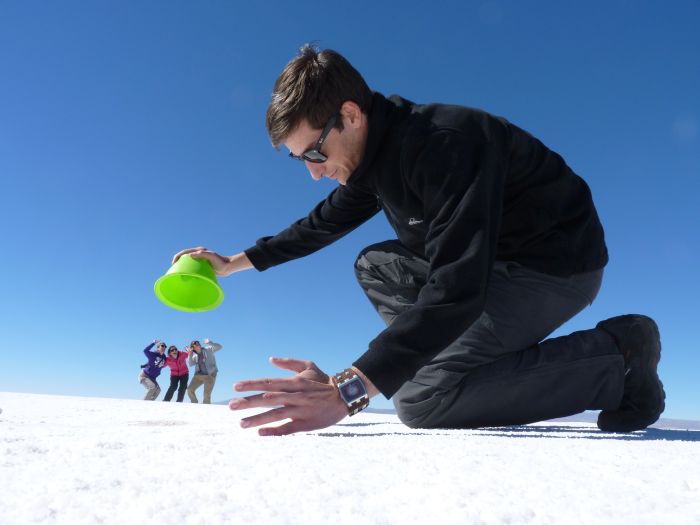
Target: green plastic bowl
[[190, 285]]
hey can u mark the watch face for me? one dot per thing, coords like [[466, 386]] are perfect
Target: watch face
[[352, 390]]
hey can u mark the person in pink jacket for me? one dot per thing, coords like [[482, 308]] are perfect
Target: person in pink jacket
[[179, 373]]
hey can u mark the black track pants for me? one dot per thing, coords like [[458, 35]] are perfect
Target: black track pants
[[500, 371]]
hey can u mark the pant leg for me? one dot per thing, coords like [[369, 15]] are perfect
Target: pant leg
[[171, 388], [151, 386], [197, 381], [156, 390], [496, 373], [208, 387], [183, 386]]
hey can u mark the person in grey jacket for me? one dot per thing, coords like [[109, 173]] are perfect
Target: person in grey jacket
[[203, 360]]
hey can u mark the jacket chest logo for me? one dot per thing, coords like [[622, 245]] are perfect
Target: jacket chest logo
[[413, 221]]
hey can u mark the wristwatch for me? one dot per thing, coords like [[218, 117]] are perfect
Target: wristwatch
[[352, 390]]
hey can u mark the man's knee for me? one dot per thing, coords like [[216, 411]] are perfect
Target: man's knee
[[406, 416], [439, 414], [442, 404], [417, 408]]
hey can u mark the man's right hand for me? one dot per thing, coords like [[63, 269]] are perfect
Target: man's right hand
[[223, 265]]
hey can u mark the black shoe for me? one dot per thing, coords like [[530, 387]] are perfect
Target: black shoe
[[637, 337]]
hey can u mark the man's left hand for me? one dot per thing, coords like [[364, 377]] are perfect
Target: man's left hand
[[309, 399]]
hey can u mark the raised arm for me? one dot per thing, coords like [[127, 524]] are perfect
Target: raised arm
[[147, 350], [215, 347]]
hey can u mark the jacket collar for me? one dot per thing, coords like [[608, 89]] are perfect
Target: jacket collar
[[380, 116]]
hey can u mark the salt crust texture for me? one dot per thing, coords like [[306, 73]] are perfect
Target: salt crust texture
[[74, 460]]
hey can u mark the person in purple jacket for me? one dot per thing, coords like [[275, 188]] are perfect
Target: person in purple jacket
[[151, 370], [179, 373]]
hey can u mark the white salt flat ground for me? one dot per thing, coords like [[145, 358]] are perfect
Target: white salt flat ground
[[87, 460]]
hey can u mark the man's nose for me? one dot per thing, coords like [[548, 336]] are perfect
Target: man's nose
[[315, 169]]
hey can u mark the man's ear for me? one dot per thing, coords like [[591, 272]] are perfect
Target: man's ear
[[352, 114]]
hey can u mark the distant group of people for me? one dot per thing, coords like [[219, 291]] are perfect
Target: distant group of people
[[198, 356]]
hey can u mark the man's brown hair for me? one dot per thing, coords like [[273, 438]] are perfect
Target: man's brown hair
[[313, 86]]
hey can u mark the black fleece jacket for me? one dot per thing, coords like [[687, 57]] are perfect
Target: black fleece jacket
[[463, 189]]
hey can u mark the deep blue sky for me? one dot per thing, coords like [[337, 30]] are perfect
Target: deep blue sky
[[130, 130]]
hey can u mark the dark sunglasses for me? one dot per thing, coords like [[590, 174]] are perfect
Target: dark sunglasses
[[173, 351], [314, 154]]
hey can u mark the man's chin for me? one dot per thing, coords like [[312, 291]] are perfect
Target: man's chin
[[340, 178]]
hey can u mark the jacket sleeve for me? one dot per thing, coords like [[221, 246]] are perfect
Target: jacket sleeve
[[147, 351], [214, 347], [461, 183], [341, 212], [192, 358]]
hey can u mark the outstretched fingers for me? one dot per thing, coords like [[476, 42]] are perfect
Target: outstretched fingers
[[283, 384], [267, 385], [284, 430], [271, 416], [274, 399], [309, 399], [289, 363]]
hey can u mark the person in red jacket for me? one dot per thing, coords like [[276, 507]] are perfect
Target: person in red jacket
[[179, 373]]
